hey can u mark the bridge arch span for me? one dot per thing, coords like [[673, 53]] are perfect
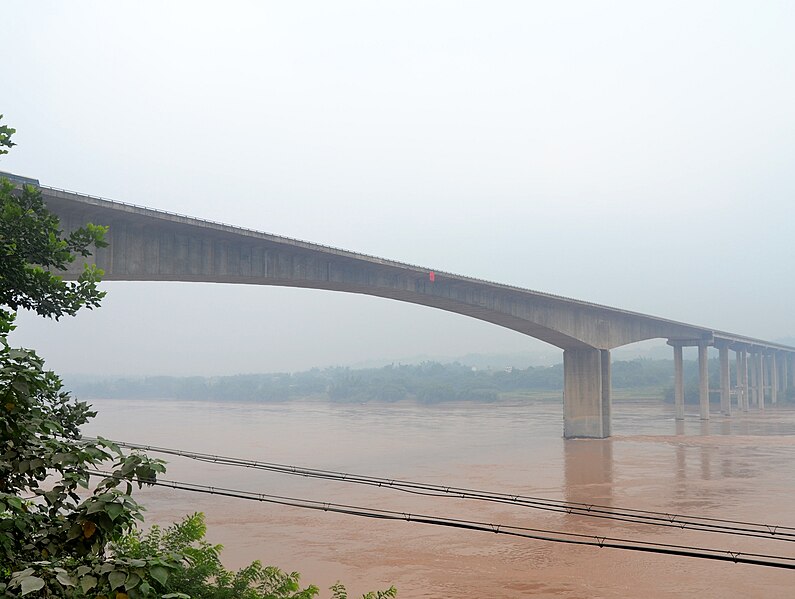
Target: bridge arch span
[[152, 245]]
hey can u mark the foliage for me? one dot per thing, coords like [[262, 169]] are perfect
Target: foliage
[[53, 531], [5, 137], [339, 592], [200, 574], [32, 247], [58, 539]]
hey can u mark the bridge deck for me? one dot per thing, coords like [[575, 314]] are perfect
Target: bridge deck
[[69, 204]]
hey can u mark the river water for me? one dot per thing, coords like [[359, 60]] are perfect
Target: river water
[[739, 468]]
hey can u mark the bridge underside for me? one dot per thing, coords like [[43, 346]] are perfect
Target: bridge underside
[[147, 245]]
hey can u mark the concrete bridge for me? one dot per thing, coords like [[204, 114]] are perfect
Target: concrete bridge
[[153, 245]]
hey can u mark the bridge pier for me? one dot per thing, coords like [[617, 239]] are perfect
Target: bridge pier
[[703, 380], [784, 374], [679, 383], [725, 385], [741, 361], [586, 393], [754, 388], [773, 379]]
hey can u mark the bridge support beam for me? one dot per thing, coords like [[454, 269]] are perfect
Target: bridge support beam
[[761, 382], [679, 384], [703, 380], [741, 362], [586, 393], [754, 388], [784, 374], [725, 385], [773, 379]]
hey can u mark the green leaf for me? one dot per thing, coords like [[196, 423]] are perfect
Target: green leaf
[[159, 573], [88, 582], [83, 570], [96, 506], [75, 531], [31, 584], [65, 579], [20, 386], [114, 510], [132, 580], [116, 578], [14, 502], [23, 574], [64, 458]]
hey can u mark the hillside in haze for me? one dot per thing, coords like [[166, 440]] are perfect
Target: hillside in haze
[[428, 382]]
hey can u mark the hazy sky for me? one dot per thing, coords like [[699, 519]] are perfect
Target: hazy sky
[[636, 154]]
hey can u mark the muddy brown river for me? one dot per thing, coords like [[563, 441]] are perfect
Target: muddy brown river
[[739, 468]]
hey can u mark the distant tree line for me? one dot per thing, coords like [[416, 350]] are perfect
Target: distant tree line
[[429, 382]]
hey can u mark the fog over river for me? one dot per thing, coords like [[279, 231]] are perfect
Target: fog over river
[[739, 468]]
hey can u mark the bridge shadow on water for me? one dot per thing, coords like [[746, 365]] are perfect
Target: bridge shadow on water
[[588, 466], [683, 466]]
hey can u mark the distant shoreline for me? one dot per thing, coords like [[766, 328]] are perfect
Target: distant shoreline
[[426, 383]]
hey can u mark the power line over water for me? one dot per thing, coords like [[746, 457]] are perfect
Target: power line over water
[[635, 516], [735, 528], [553, 536]]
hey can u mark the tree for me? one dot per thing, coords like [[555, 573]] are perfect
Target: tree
[[33, 249], [202, 575], [54, 533], [59, 535], [53, 537]]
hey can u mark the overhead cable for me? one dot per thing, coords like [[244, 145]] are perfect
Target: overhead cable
[[634, 516], [553, 536]]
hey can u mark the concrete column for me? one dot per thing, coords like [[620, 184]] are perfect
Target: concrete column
[[703, 380], [784, 362], [725, 385], [754, 387], [738, 377], [742, 372], [773, 378], [679, 384], [760, 367], [586, 393], [607, 393]]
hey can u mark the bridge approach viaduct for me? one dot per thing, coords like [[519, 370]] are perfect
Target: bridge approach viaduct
[[153, 245]]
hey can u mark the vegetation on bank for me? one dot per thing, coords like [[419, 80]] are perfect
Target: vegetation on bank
[[429, 382], [68, 519]]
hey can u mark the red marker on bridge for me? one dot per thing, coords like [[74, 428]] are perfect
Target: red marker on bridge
[[432, 276]]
